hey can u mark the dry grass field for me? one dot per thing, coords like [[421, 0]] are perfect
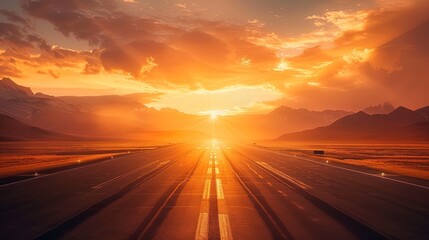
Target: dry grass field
[[30, 157], [403, 159]]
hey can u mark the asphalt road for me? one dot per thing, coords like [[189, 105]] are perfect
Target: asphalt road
[[215, 191]]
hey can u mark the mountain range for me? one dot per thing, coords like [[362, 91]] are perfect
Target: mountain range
[[53, 114], [14, 130], [126, 117], [402, 124], [281, 120]]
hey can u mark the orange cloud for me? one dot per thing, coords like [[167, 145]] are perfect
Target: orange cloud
[[348, 54]]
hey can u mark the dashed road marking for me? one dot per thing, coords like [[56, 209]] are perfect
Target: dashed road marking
[[219, 189], [224, 227], [206, 194], [202, 227]]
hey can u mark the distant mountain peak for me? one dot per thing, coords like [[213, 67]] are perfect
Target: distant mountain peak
[[10, 90], [384, 108], [402, 124], [280, 109], [401, 110], [42, 95], [6, 80], [361, 113]]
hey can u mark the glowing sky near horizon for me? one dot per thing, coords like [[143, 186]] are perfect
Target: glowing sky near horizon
[[228, 56]]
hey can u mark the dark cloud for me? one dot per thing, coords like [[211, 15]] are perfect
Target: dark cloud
[[18, 42], [93, 64], [13, 36], [8, 69], [194, 53], [14, 17]]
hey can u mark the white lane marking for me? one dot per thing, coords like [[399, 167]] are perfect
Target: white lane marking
[[209, 171], [55, 173], [202, 227], [224, 227], [125, 175], [360, 172], [283, 175], [217, 170], [219, 189], [206, 194]]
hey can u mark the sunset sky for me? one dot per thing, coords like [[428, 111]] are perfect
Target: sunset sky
[[228, 56]]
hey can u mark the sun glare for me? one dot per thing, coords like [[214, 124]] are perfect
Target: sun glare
[[213, 115]]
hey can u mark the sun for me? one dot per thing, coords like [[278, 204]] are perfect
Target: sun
[[213, 115]]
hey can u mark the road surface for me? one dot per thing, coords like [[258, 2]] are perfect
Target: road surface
[[215, 191]]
